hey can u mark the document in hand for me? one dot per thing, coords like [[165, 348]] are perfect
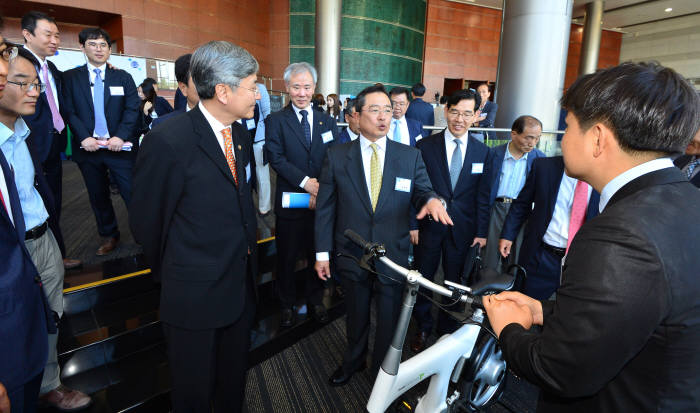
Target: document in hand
[[295, 200], [103, 145]]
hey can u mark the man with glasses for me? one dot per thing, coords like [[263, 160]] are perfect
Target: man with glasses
[[19, 99], [402, 129], [103, 106], [372, 185], [458, 167]]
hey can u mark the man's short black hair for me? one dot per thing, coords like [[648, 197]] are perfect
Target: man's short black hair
[[360, 98], [523, 121], [29, 20], [443, 99], [182, 68], [464, 94], [649, 107], [418, 90], [399, 90], [91, 33], [351, 104]]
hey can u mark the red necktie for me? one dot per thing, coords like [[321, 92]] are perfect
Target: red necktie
[[578, 210], [230, 159]]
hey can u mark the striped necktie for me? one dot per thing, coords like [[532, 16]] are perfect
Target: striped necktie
[[375, 174], [230, 159]]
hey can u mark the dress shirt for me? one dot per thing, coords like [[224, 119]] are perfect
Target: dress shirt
[[366, 151], [52, 82], [558, 230], [310, 118], [352, 135], [629, 175], [403, 128], [91, 72], [450, 146], [5, 195], [14, 147], [264, 106], [217, 127], [513, 174]]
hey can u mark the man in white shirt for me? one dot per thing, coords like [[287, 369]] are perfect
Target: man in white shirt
[[402, 129]]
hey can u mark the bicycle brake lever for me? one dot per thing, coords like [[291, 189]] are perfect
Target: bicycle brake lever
[[362, 262]]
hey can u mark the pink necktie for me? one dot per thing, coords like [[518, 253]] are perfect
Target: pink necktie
[[55, 114], [578, 210], [2, 201]]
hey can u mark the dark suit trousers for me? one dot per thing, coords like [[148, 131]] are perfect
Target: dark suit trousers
[[208, 367], [53, 170], [543, 275], [23, 398], [94, 172], [358, 298], [428, 254], [295, 238]]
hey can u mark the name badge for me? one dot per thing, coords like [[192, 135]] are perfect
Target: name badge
[[247, 172], [484, 114], [403, 185], [477, 168], [250, 123], [116, 91], [327, 136]]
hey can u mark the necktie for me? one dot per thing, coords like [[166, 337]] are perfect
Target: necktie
[[578, 210], [455, 164], [2, 202], [228, 148], [98, 102], [691, 167], [397, 132], [375, 176], [55, 114], [305, 127]]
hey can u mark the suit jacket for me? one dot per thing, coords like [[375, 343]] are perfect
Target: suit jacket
[[684, 160], [343, 202], [421, 111], [415, 130], [499, 152], [344, 136], [180, 101], [160, 119], [624, 331], [542, 188], [41, 122], [490, 109], [468, 204], [121, 112], [23, 318], [289, 156], [161, 106], [195, 225]]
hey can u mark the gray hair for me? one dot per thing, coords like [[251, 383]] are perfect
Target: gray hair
[[220, 62], [301, 67]]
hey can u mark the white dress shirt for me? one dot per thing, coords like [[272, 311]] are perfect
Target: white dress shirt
[[52, 82], [403, 129], [352, 135], [5, 195], [217, 127], [310, 118], [557, 232], [366, 151], [629, 175], [450, 146]]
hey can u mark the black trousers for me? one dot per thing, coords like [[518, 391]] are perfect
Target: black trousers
[[94, 172], [295, 238], [53, 170], [23, 398], [358, 297], [543, 274], [208, 367]]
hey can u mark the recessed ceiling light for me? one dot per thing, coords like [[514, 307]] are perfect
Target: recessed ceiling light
[[668, 10]]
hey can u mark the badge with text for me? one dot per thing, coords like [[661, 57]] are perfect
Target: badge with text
[[327, 136], [477, 168], [116, 91], [403, 185]]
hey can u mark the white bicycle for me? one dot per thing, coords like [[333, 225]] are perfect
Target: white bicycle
[[467, 364]]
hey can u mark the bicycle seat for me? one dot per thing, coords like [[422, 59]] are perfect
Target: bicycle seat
[[492, 282]]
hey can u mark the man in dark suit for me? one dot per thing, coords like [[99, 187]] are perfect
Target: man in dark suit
[[352, 132], [103, 106], [184, 86], [296, 139], [371, 186], [487, 111], [624, 331], [420, 110], [458, 167], [511, 163], [196, 222], [689, 163], [402, 129], [48, 136], [549, 223]]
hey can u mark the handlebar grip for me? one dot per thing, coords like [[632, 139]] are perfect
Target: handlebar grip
[[356, 238]]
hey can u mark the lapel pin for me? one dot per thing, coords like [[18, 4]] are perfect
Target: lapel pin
[[320, 123], [239, 147]]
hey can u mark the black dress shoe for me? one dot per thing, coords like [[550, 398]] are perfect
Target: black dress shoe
[[340, 376], [320, 313], [419, 340], [288, 317]]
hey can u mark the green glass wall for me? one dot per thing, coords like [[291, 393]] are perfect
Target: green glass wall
[[381, 41]]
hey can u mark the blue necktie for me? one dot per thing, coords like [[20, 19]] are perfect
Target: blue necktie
[[305, 127], [397, 132], [98, 101], [691, 167], [455, 164]]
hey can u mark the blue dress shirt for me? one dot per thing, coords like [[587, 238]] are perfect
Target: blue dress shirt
[[513, 174]]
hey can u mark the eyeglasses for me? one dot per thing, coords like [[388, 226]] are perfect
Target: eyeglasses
[[456, 114], [28, 87], [376, 110], [254, 89], [97, 45], [9, 53]]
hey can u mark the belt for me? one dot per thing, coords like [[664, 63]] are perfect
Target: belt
[[559, 252], [37, 231], [505, 199]]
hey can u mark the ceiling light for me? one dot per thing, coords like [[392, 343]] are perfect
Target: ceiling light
[[668, 10]]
